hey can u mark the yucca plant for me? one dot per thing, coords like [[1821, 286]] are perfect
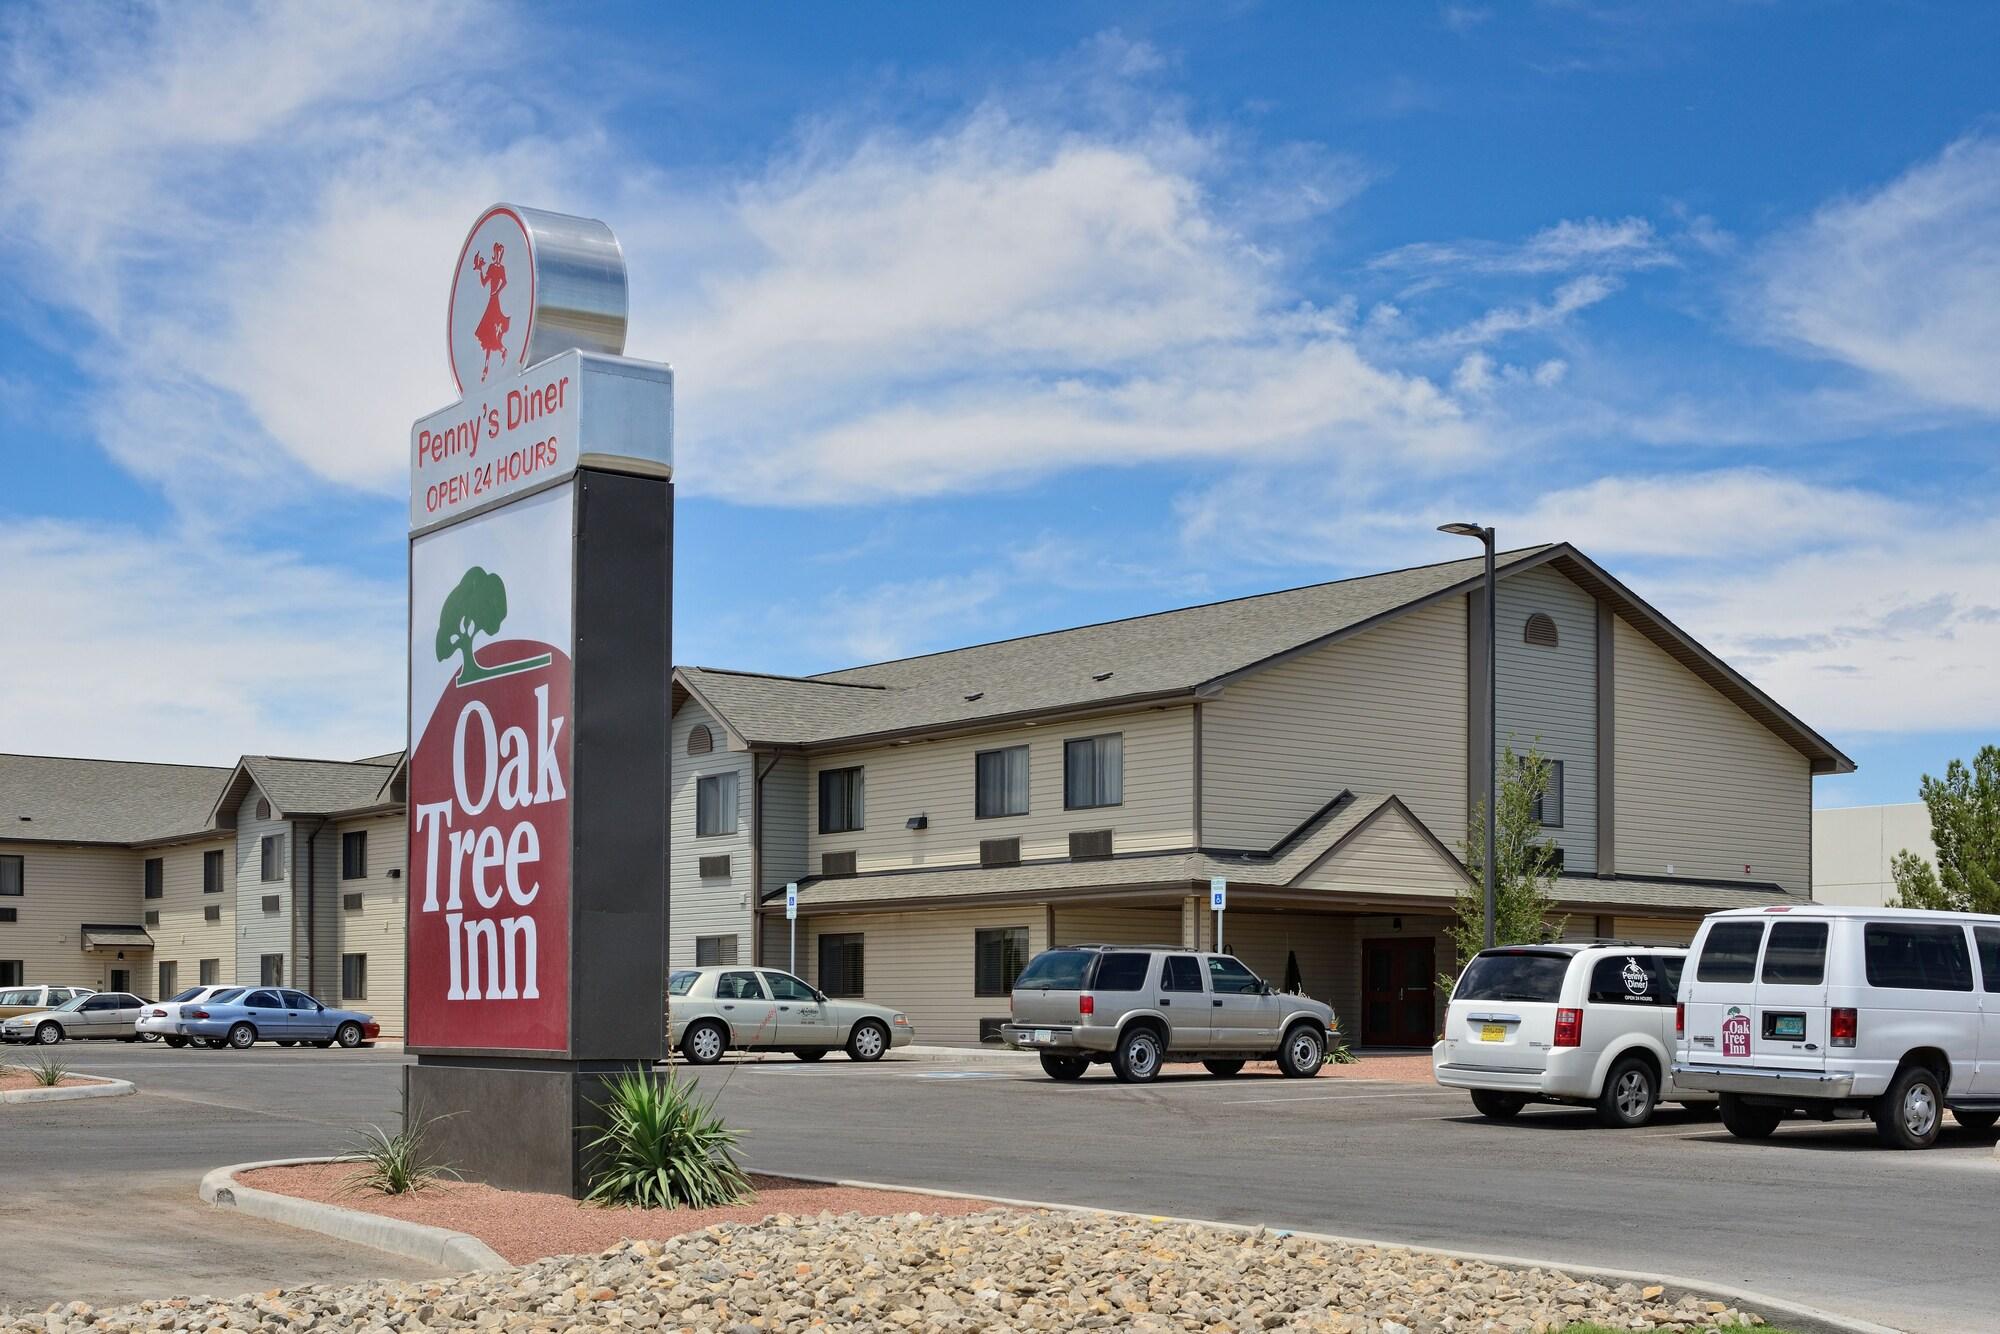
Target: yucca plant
[[48, 1071], [663, 1147], [1341, 1053], [396, 1164]]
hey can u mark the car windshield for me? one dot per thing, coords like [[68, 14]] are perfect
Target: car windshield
[[680, 984], [1513, 975], [1055, 970]]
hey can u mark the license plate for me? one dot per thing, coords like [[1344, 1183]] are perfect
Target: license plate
[[1493, 1032], [1042, 1035], [1788, 1026]]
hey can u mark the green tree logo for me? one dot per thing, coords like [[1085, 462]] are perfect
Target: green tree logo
[[477, 606]]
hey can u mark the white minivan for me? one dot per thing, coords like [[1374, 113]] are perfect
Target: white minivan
[[1582, 1023], [1845, 1012]]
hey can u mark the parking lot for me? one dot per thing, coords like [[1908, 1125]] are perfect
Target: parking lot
[[1396, 1161]]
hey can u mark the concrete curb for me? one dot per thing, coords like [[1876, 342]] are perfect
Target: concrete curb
[[418, 1241], [103, 1088], [1805, 1319]]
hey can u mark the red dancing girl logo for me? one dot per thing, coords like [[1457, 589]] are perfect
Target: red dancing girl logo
[[494, 324]]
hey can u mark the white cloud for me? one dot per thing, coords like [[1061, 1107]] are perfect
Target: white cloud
[[1528, 317], [1900, 282], [1723, 515], [1604, 245], [188, 650]]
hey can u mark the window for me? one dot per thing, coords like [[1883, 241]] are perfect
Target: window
[[841, 807], [1916, 958], [170, 976], [11, 972], [1629, 979], [700, 740], [1000, 782], [1796, 955], [263, 1000], [271, 970], [1227, 977], [272, 854], [1988, 940], [12, 876], [681, 983], [1730, 952], [1055, 970], [840, 964], [211, 871], [1540, 630], [1180, 972], [739, 986], [785, 987], [1121, 972], [1514, 975], [712, 951], [998, 956], [1549, 806], [354, 854], [715, 805], [211, 972], [156, 878], [1094, 772], [354, 977]]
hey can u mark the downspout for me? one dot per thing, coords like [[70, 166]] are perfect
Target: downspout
[[312, 886], [757, 777]]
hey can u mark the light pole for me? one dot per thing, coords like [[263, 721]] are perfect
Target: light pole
[[1485, 535]]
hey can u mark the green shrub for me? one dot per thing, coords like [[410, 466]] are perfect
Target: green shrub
[[1341, 1053], [398, 1164], [48, 1071], [662, 1148]]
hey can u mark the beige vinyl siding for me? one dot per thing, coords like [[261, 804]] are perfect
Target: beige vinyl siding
[[184, 937], [716, 906], [379, 929], [786, 811], [66, 886], [1117, 926], [920, 963], [316, 915], [935, 779], [257, 932], [1382, 711], [1389, 855], [1655, 930], [1262, 940], [1547, 697], [1704, 790]]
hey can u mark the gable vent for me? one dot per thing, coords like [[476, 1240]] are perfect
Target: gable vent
[[715, 868], [1090, 845], [263, 809], [1541, 630], [700, 740], [836, 863], [999, 852]]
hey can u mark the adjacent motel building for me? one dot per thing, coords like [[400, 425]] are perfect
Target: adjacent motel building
[[945, 817]]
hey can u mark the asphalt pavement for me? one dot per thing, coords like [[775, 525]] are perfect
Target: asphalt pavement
[[1819, 1214]]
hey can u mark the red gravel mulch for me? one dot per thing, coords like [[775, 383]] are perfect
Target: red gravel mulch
[[523, 1226], [14, 1077], [1414, 1068]]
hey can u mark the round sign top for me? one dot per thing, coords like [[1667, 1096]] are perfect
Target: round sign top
[[492, 298], [530, 285]]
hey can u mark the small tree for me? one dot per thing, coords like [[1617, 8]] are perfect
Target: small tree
[[1524, 864], [1965, 825], [477, 606]]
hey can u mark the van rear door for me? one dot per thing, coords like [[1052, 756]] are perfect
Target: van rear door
[[1720, 987], [1503, 1010], [1789, 1027]]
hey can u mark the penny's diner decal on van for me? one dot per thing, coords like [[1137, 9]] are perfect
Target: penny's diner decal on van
[[489, 856]]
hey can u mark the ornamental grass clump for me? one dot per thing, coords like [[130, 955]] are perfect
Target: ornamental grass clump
[[664, 1148], [398, 1164], [47, 1071]]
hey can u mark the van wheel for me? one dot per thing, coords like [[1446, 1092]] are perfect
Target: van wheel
[[1630, 1093], [1976, 1120], [1747, 1120], [1908, 1115], [1137, 1058], [1496, 1106], [1223, 1069], [1302, 1053], [1064, 1067]]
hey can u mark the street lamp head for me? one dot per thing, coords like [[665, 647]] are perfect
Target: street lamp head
[[1465, 530]]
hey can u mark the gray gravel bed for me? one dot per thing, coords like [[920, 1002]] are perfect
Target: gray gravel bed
[[1000, 1271]]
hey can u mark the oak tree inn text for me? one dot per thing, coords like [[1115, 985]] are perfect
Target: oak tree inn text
[[947, 816]]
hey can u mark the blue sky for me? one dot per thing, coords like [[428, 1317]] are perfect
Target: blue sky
[[989, 321]]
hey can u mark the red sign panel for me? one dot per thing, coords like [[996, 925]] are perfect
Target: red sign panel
[[489, 896], [1736, 1035]]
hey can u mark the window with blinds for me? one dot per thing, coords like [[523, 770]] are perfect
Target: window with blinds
[[840, 964], [1000, 782], [998, 956], [715, 805], [714, 951], [842, 808], [1094, 772]]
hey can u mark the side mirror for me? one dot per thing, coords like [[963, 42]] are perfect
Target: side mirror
[[1266, 989]]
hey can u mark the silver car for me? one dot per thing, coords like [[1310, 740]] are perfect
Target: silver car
[[711, 1010], [1138, 1007], [103, 1014]]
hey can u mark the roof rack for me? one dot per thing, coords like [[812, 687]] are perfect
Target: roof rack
[[1171, 949]]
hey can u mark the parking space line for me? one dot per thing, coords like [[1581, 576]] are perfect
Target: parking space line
[[1335, 1097]]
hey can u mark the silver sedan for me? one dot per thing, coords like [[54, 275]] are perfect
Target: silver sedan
[[711, 1010]]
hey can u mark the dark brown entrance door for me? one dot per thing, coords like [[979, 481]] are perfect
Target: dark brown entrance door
[[1397, 1008]]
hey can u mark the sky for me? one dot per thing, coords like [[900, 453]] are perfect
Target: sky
[[994, 319]]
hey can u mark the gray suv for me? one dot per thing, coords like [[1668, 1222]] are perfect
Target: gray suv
[[1140, 1006]]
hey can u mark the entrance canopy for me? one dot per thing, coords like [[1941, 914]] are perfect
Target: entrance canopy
[[101, 937]]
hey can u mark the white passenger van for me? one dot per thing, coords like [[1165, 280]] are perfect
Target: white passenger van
[[1844, 1012]]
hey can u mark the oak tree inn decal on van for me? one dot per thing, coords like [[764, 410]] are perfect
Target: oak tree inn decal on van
[[490, 779], [1736, 1033]]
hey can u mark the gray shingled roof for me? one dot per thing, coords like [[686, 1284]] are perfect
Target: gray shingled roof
[[103, 801], [1584, 891], [1169, 652], [320, 787]]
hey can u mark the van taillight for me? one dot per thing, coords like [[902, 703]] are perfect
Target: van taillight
[[1569, 1028], [1845, 1027], [1680, 1019], [1086, 1005]]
